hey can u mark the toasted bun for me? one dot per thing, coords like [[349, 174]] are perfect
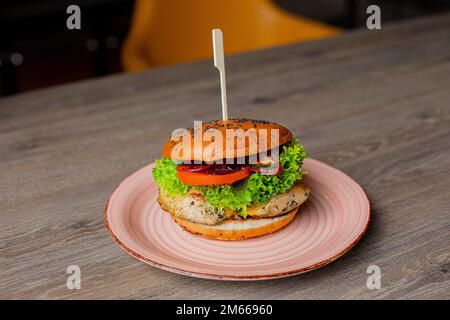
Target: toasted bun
[[238, 229], [173, 148]]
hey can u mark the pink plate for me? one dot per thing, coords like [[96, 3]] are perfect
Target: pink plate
[[327, 225]]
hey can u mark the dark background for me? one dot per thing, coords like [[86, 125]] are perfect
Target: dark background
[[37, 50]]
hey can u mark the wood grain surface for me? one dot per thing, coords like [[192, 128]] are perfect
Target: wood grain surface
[[375, 104]]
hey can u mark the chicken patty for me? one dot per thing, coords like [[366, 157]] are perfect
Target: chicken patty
[[281, 203], [194, 207]]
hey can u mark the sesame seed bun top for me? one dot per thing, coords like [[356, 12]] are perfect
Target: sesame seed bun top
[[250, 137]]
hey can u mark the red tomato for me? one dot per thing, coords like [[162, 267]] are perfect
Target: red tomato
[[193, 175]]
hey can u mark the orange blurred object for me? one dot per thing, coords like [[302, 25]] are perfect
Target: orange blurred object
[[174, 31]]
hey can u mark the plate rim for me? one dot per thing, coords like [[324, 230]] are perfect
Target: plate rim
[[211, 276]]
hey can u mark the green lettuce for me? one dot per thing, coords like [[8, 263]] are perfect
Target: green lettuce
[[255, 189]]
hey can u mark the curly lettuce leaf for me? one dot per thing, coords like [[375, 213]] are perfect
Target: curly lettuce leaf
[[166, 176], [256, 189]]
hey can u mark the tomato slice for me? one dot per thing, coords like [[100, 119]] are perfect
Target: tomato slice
[[189, 176]]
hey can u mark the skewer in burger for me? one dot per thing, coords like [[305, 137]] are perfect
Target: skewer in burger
[[237, 192]]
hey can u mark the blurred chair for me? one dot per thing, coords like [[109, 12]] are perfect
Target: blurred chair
[[173, 31]]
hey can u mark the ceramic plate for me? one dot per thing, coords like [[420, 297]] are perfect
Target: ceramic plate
[[330, 223]]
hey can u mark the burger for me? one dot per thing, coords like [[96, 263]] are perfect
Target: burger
[[245, 185]]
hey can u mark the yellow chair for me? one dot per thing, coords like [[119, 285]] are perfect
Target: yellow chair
[[173, 31]]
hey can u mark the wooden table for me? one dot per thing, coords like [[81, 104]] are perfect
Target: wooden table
[[375, 104]]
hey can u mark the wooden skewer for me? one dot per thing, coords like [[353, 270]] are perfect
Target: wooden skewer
[[219, 63]]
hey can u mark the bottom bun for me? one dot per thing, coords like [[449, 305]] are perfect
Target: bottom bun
[[238, 229]]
